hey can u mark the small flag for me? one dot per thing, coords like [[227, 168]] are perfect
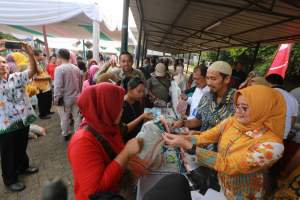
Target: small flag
[[281, 60]]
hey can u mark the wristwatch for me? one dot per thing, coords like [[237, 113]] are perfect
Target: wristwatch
[[191, 151]]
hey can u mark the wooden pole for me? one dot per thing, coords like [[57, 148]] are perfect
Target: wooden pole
[[46, 41]]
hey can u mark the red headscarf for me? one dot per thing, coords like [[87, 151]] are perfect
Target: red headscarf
[[100, 105]]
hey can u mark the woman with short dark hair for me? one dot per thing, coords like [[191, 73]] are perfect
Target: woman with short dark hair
[[133, 114]]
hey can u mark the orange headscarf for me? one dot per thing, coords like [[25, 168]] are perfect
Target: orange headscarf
[[267, 109]]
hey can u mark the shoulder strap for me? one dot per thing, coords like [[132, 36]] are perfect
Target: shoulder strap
[[103, 141], [162, 83]]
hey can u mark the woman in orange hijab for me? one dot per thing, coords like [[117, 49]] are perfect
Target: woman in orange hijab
[[249, 143]]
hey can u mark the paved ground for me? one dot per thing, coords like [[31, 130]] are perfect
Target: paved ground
[[49, 154]]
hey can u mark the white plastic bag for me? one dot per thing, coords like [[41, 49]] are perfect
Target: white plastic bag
[[38, 130]]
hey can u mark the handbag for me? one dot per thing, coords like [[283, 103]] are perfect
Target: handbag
[[104, 195], [204, 178]]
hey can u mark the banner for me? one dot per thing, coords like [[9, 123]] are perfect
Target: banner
[[281, 60]]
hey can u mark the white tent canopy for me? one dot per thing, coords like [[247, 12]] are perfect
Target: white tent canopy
[[63, 18], [70, 43], [41, 12], [111, 50]]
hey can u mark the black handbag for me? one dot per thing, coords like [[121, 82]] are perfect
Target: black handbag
[[204, 178], [104, 195]]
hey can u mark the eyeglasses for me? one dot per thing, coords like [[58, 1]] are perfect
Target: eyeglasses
[[242, 107]]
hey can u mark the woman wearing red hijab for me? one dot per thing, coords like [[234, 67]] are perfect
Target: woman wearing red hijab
[[93, 170]]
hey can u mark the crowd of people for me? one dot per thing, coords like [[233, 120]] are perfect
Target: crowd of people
[[243, 130]]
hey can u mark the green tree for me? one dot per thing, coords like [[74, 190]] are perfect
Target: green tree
[[294, 64], [7, 36]]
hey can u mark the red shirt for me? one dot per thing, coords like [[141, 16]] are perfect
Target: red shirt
[[51, 70], [93, 171]]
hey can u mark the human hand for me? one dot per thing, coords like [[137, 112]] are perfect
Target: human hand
[[177, 141], [26, 47], [177, 124], [133, 146], [147, 116], [2, 43]]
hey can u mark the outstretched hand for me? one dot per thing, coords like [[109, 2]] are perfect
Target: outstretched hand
[[177, 141]]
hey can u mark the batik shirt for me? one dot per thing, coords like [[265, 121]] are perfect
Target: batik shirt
[[211, 113], [15, 108], [242, 158]]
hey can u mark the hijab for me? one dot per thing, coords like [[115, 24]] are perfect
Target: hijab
[[73, 59], [91, 73], [108, 77], [100, 112], [267, 109], [21, 61], [95, 104], [11, 63]]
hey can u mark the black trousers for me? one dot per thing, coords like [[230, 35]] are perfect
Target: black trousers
[[44, 103], [14, 158], [174, 186]]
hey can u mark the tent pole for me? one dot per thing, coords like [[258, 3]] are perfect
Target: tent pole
[[83, 53], [46, 41], [188, 64], [124, 44], [138, 52], [145, 49], [199, 57], [254, 56], [142, 47], [96, 31]]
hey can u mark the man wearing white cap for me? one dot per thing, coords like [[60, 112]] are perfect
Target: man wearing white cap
[[214, 107], [217, 104], [158, 85]]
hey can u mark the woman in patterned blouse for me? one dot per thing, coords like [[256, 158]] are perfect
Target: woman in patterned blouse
[[16, 114], [249, 142]]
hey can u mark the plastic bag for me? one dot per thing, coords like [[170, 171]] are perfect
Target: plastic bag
[[37, 130]]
